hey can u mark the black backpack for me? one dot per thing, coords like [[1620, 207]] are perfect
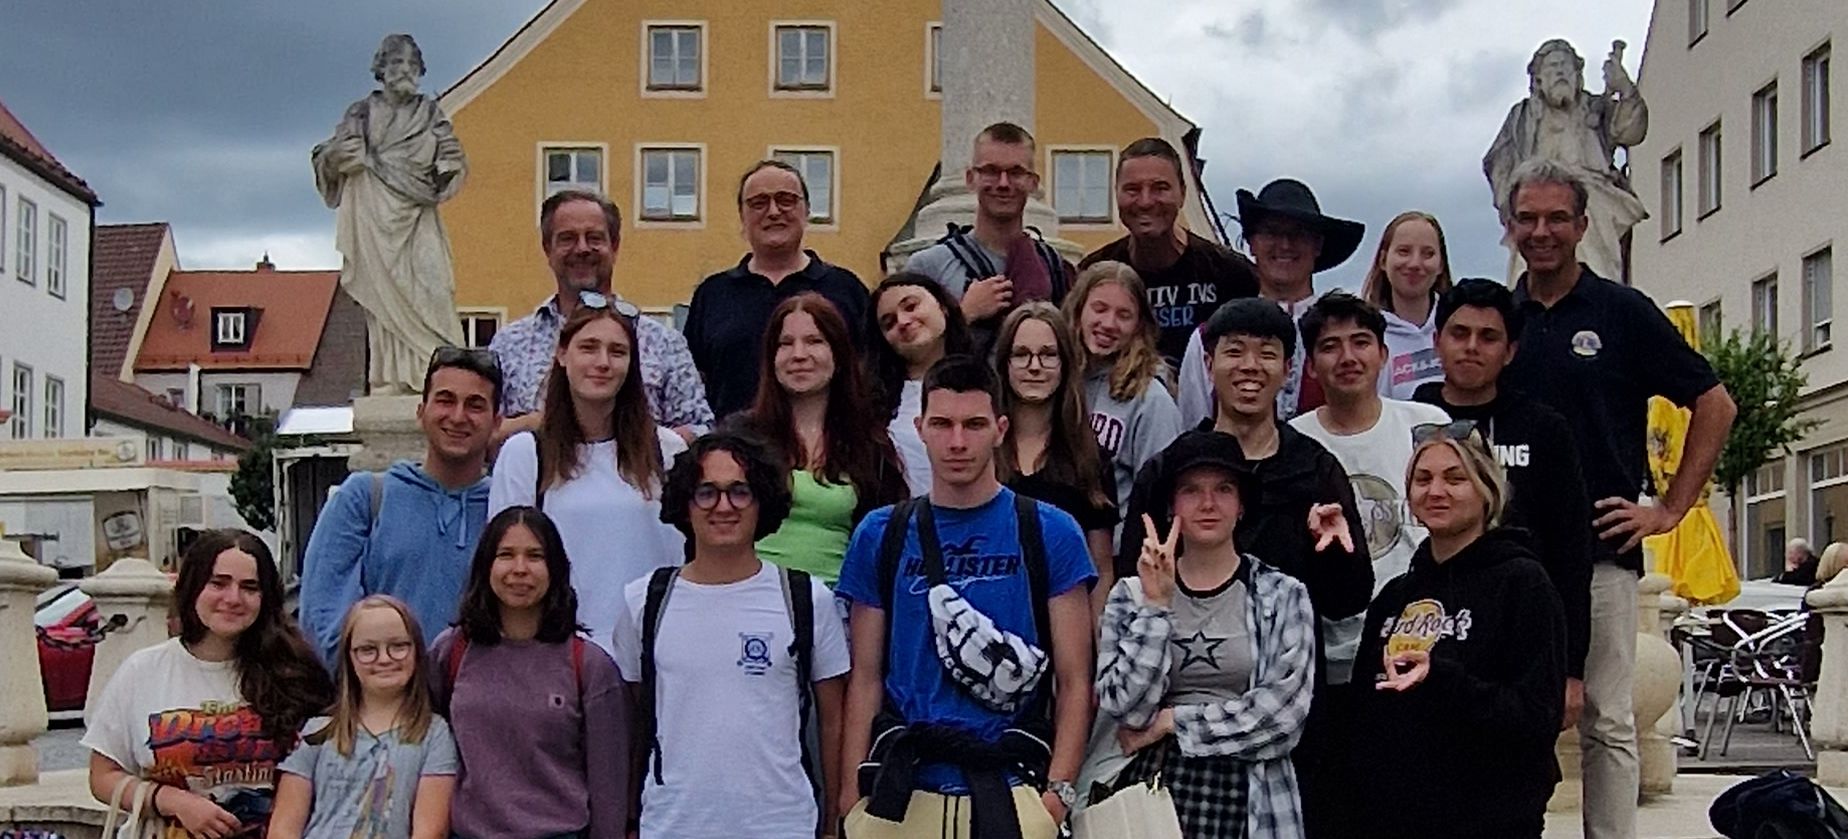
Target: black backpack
[[1778, 805], [977, 266]]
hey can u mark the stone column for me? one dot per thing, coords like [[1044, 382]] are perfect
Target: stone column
[[1658, 682], [132, 598], [388, 432], [1829, 726], [22, 691], [988, 76]]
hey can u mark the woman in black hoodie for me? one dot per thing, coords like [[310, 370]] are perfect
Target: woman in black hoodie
[[1461, 672]]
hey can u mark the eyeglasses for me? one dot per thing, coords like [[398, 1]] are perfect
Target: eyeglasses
[[369, 653], [706, 496], [783, 200], [1460, 431], [598, 300], [1023, 359], [992, 174]]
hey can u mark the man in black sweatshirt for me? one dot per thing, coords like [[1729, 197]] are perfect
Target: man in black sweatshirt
[[1478, 326]]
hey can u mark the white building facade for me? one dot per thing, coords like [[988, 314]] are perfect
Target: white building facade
[[1749, 203]]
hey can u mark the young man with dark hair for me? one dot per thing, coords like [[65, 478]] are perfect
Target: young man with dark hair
[[1370, 434], [739, 667], [1187, 275], [410, 531], [963, 600]]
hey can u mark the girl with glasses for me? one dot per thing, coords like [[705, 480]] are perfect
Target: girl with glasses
[[382, 763], [809, 403], [918, 324], [1126, 382], [1049, 452], [595, 465]]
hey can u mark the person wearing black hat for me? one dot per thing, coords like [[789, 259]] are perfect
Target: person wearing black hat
[[1291, 241], [1207, 658]]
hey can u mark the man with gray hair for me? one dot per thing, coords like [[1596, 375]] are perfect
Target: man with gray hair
[[1562, 122], [1597, 351]]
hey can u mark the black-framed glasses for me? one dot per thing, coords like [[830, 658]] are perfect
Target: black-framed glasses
[[783, 201], [706, 496], [1459, 430], [1023, 359], [369, 653], [598, 300]]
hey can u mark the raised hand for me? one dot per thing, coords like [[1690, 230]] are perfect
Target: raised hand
[[1328, 525], [1405, 669], [1156, 565]]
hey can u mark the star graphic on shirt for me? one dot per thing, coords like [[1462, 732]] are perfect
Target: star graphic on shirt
[[1199, 648]]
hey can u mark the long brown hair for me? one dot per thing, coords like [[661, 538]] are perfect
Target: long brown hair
[[417, 708], [1070, 457], [1138, 362], [638, 445], [278, 674], [1377, 288], [856, 447]]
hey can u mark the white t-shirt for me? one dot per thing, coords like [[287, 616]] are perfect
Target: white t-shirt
[[167, 716], [727, 707], [904, 431], [612, 533], [1375, 461]]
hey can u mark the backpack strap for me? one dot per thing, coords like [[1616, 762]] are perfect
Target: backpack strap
[[538, 475], [974, 263], [1033, 553], [799, 602], [660, 585], [891, 546], [456, 651]]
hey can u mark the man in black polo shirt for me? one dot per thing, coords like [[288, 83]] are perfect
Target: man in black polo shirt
[[1596, 351], [730, 309]]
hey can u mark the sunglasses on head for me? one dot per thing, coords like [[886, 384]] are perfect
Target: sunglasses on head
[[1460, 431], [598, 300]]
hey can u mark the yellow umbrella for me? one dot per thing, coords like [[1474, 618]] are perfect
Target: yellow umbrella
[[1694, 553]]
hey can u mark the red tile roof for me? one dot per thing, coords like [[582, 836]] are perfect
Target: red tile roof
[[18, 143], [292, 310], [133, 405], [124, 258]]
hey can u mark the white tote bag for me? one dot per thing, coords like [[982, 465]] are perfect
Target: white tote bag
[[1140, 811], [142, 821]]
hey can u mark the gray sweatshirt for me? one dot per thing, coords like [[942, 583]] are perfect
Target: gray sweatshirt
[[1131, 431]]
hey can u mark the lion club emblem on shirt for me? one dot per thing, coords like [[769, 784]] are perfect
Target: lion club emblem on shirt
[[1421, 624], [1586, 343]]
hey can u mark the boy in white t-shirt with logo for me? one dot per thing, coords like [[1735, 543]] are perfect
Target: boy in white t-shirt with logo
[[740, 666], [1345, 338]]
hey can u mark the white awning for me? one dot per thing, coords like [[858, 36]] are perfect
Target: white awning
[[326, 421]]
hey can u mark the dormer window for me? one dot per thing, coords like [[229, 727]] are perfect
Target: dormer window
[[230, 329]]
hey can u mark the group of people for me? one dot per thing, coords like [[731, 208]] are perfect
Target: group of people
[[967, 552]]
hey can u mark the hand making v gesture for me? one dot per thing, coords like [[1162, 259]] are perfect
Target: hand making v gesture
[[1156, 565]]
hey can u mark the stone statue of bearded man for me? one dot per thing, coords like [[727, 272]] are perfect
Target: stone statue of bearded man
[[391, 160], [1561, 121]]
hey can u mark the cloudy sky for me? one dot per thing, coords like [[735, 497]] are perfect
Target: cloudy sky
[[201, 113]]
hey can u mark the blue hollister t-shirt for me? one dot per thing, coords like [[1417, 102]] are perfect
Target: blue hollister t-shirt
[[982, 559]]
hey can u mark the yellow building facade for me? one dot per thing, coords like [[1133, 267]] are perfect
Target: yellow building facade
[[663, 104]]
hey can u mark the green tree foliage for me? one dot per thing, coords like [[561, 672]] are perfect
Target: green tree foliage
[[1766, 381], [253, 485]]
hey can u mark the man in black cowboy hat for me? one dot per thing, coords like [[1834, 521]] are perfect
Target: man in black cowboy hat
[[1291, 241]]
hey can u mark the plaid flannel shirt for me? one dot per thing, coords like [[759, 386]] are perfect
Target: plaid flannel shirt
[[524, 349], [1259, 727]]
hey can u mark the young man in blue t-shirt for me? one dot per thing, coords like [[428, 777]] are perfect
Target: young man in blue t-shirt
[[974, 735]]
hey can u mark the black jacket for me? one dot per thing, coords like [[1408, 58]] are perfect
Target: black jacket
[[1468, 751], [1547, 499]]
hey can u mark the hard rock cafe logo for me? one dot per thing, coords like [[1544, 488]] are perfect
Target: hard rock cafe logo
[[1421, 624]]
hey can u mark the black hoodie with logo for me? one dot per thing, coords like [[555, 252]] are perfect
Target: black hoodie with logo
[[1469, 750]]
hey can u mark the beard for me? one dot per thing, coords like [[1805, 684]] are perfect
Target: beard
[[1558, 93]]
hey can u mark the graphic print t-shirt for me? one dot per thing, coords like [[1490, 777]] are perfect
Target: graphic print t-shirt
[[369, 794], [982, 560], [1375, 461], [169, 717]]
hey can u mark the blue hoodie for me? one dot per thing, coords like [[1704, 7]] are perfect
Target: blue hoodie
[[419, 552]]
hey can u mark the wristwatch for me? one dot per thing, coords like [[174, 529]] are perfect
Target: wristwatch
[[1068, 794]]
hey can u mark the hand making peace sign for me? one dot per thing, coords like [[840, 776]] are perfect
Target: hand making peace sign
[[1156, 565]]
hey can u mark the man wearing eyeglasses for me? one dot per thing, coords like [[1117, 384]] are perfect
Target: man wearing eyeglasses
[[580, 232], [410, 531], [998, 263], [730, 309]]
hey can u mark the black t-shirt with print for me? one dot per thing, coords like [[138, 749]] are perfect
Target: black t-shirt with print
[[1185, 294]]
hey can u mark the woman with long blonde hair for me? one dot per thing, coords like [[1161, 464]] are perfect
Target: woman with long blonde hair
[[1126, 381], [1409, 273]]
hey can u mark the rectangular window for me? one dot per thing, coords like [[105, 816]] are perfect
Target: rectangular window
[[1081, 190], [154, 449], [802, 58], [1828, 493], [933, 58], [573, 168], [54, 407], [25, 248], [1764, 305], [57, 235], [1818, 299], [817, 168], [22, 401], [1816, 99], [238, 401], [1710, 324], [1764, 133], [3, 229], [670, 184], [227, 329], [176, 396], [478, 329], [1710, 169], [1697, 20], [673, 58], [1671, 194]]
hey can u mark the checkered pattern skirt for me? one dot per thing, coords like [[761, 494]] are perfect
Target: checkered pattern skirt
[[1209, 792]]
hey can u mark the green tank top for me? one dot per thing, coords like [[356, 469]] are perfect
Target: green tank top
[[814, 537]]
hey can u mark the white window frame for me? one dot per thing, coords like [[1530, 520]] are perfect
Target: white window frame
[[933, 59], [1109, 219], [1816, 485], [1764, 318], [54, 407], [1700, 15], [25, 246], [22, 401], [542, 148], [1710, 322], [1764, 134], [466, 314], [831, 221], [703, 167], [1710, 182], [252, 393], [57, 254], [5, 233], [1817, 324], [230, 329], [1674, 194], [1816, 109], [826, 91], [698, 90], [1748, 542]]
